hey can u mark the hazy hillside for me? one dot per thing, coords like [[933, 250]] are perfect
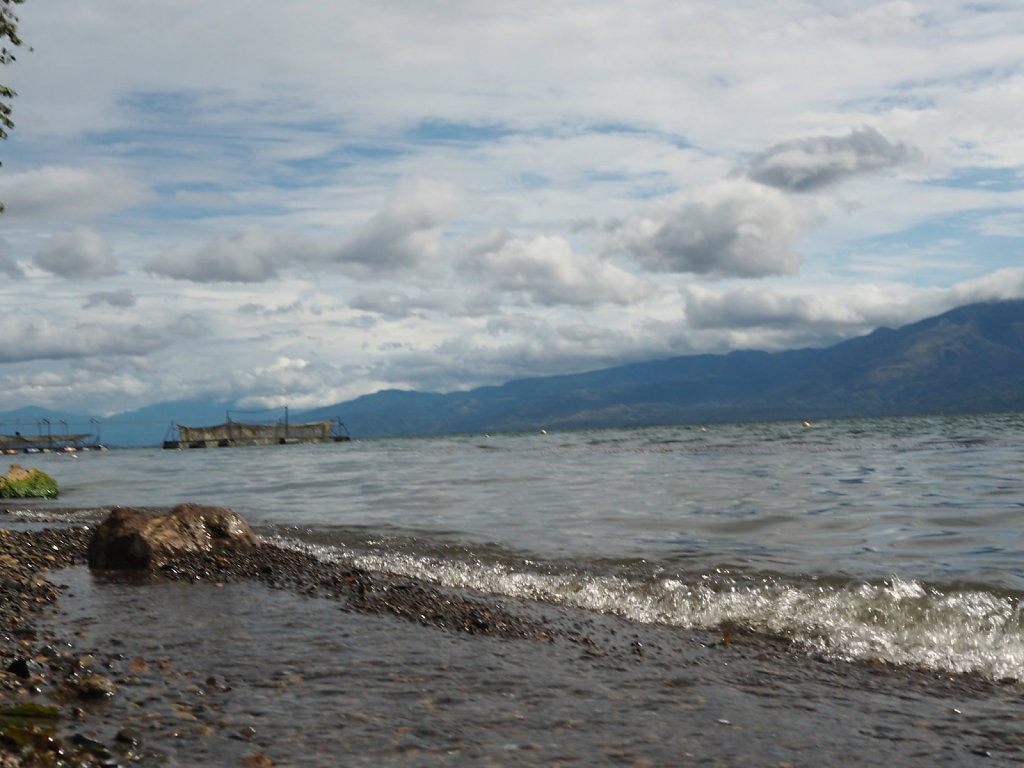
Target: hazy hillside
[[970, 359]]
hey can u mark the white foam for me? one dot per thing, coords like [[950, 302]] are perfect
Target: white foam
[[899, 621]]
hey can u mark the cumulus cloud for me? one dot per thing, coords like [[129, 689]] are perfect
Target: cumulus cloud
[[297, 382], [508, 346], [63, 192], [1005, 283], [78, 254], [855, 310], [788, 318], [406, 234], [95, 344], [748, 227], [120, 298], [731, 229], [549, 272], [815, 162], [249, 256], [602, 118], [42, 338]]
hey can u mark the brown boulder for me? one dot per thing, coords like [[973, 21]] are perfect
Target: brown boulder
[[142, 539]]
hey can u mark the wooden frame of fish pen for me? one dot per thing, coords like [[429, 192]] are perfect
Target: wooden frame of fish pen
[[233, 433], [66, 442]]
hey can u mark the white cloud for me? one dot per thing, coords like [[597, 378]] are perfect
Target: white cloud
[[326, 199], [60, 192], [78, 254], [776, 317], [122, 297], [396, 303], [1006, 283], [288, 381], [45, 338], [102, 391], [250, 256], [548, 272], [832, 311], [809, 164], [731, 229], [406, 234]]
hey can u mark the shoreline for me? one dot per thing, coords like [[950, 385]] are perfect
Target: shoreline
[[557, 684]]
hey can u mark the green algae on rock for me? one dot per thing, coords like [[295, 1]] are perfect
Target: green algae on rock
[[20, 483]]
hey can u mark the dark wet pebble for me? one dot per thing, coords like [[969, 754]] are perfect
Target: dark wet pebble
[[26, 668], [129, 737]]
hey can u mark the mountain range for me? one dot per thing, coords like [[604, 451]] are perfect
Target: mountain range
[[967, 360]]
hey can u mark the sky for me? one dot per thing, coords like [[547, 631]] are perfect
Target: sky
[[303, 203]]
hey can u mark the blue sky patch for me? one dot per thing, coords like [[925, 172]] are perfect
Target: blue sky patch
[[993, 179], [442, 131]]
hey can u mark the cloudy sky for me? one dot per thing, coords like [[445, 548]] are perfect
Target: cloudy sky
[[305, 202]]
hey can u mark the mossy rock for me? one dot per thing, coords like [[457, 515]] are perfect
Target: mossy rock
[[23, 483], [28, 726]]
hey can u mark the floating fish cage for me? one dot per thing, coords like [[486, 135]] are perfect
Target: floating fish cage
[[49, 443], [239, 433]]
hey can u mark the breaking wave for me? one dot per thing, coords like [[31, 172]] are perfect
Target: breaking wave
[[896, 620]]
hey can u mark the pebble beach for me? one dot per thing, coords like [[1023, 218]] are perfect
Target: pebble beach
[[277, 658]]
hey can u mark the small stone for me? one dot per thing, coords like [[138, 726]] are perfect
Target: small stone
[[128, 736], [96, 748], [25, 668], [96, 687]]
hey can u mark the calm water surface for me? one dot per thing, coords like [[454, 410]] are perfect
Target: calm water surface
[[898, 539]]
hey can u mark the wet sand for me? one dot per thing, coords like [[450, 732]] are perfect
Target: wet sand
[[278, 659]]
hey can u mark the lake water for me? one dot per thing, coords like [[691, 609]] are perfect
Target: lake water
[[893, 539]]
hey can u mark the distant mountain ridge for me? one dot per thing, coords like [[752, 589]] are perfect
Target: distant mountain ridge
[[967, 360]]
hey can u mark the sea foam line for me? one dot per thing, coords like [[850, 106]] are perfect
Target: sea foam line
[[898, 621]]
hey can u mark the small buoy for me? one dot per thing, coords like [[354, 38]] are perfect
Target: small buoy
[[543, 431], [807, 423]]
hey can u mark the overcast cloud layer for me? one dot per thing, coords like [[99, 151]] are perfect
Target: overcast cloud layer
[[305, 203]]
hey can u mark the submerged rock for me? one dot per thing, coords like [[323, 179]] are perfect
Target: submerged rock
[[21, 483], [142, 539]]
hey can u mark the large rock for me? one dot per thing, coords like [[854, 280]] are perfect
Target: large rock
[[141, 539], [21, 483]]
